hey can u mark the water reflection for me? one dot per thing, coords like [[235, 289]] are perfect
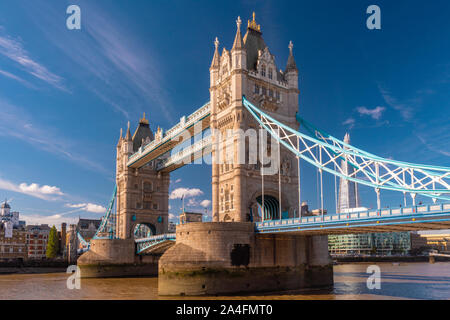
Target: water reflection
[[404, 281]]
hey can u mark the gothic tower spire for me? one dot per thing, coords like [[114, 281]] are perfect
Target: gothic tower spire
[[128, 135], [291, 65], [120, 137], [238, 44], [216, 57]]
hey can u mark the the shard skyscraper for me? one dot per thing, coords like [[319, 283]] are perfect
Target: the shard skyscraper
[[348, 190]]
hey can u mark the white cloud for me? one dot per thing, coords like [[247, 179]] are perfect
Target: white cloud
[[172, 216], [405, 110], [205, 203], [188, 193], [17, 78], [435, 148], [350, 122], [192, 202], [89, 207], [123, 73], [17, 123], [374, 113], [44, 192], [55, 219], [14, 50], [35, 188]]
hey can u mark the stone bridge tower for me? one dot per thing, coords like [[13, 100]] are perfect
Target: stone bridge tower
[[249, 69], [142, 193]]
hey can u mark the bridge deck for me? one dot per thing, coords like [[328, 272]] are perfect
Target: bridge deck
[[420, 218]]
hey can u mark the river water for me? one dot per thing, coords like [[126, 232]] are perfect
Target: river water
[[398, 281]]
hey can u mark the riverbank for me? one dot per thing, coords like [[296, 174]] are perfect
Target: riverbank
[[33, 266]]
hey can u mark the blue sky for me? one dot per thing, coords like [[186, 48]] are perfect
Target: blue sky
[[64, 95]]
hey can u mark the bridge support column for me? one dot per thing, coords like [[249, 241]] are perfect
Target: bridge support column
[[115, 258], [230, 258]]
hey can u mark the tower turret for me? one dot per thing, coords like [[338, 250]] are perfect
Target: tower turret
[[5, 208], [128, 142], [143, 134], [238, 52], [120, 138], [215, 64], [291, 72]]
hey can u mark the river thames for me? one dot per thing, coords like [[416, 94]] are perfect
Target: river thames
[[398, 281]]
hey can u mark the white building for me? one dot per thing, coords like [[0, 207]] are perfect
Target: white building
[[9, 219]]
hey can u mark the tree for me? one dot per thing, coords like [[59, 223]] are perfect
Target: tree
[[53, 243]]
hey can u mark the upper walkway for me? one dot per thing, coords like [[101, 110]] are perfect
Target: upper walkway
[[171, 138]]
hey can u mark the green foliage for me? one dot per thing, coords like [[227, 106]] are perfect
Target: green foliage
[[53, 243]]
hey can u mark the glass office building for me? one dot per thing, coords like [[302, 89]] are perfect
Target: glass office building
[[393, 243]]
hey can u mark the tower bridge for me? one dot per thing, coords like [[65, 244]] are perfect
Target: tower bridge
[[260, 238]]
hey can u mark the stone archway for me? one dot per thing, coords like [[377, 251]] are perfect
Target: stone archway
[[271, 207], [271, 204], [143, 230]]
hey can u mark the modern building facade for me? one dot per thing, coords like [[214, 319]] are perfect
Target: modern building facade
[[393, 243]]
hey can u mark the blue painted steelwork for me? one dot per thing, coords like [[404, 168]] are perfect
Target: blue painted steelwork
[[146, 243], [108, 224], [86, 245], [423, 215], [377, 172]]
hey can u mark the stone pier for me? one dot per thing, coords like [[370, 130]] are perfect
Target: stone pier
[[116, 258], [229, 258]]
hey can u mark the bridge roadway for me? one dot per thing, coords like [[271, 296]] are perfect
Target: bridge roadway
[[418, 218]]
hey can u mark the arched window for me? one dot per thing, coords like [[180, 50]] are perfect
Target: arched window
[[263, 70], [270, 73]]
